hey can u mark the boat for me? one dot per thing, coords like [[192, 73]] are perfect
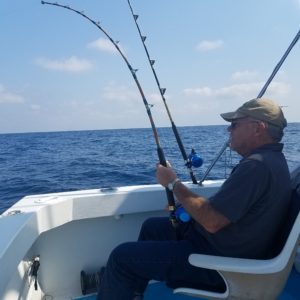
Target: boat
[[48, 239]]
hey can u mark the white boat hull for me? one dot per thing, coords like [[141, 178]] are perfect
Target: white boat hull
[[71, 232]]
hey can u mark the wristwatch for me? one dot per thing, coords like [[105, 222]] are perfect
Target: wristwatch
[[171, 184]]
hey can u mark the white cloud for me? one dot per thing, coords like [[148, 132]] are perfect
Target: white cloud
[[243, 90], [155, 98], [35, 107], [126, 100], [104, 45], [278, 89], [9, 97], [239, 90], [72, 64], [201, 91], [206, 45], [120, 94], [244, 75]]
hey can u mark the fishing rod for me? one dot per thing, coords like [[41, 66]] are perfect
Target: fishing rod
[[170, 197], [192, 159], [261, 93]]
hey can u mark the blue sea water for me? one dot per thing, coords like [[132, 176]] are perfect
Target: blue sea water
[[34, 163]]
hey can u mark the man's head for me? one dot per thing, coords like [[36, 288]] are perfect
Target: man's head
[[255, 123]]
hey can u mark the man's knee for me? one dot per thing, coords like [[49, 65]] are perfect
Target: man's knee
[[120, 253], [157, 228]]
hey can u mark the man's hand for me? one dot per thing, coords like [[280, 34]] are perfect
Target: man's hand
[[165, 175], [197, 206]]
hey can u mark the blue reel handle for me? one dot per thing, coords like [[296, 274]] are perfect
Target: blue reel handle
[[182, 215], [195, 159]]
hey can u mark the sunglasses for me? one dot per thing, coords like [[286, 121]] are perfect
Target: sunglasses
[[235, 124]]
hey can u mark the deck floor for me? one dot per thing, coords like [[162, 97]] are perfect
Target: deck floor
[[160, 291]]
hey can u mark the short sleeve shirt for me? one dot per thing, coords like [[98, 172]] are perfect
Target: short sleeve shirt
[[254, 198]]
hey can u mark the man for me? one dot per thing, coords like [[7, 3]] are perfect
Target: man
[[240, 220]]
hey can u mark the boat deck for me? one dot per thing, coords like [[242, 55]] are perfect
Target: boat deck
[[160, 291]]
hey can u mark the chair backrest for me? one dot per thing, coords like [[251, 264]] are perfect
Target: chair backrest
[[293, 211], [268, 281]]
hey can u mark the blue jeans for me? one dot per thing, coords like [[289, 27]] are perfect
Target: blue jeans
[[159, 254]]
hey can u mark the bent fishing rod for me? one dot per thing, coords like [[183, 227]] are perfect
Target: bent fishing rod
[[261, 93], [160, 152], [187, 159]]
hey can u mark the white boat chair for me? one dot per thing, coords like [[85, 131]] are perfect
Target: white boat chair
[[251, 278]]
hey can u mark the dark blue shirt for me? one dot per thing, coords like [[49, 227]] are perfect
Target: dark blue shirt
[[255, 199]]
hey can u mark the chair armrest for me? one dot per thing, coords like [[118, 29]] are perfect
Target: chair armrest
[[237, 265]]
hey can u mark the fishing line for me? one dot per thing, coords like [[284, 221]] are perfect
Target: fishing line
[[161, 156], [261, 93], [187, 159]]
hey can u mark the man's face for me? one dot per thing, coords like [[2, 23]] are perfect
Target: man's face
[[242, 135]]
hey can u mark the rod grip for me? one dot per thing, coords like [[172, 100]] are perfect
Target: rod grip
[[162, 161], [170, 196]]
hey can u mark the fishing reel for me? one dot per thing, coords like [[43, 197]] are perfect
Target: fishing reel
[[181, 215], [194, 160]]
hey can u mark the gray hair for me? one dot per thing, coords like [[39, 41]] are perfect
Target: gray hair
[[275, 132]]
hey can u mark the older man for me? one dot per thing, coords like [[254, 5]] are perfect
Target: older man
[[240, 220]]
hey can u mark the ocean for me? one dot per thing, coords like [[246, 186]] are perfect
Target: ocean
[[34, 163]]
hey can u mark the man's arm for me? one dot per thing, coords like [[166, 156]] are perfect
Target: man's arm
[[198, 207]]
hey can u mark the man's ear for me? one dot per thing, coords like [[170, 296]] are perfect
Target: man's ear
[[260, 127]]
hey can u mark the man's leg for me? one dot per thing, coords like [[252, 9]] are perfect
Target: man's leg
[[132, 265], [152, 229], [157, 229], [161, 229]]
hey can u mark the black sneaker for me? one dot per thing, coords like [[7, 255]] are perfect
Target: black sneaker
[[90, 282]]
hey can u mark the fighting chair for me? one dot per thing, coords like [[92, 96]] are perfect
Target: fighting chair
[[252, 278]]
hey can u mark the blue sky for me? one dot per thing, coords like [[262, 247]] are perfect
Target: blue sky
[[58, 72]]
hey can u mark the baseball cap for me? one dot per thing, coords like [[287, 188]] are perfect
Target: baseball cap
[[260, 109]]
